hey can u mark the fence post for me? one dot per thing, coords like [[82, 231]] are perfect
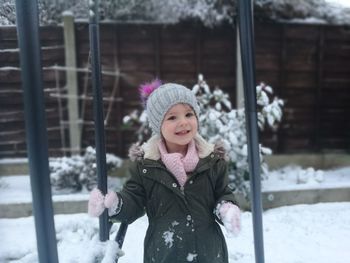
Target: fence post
[[37, 143], [72, 83]]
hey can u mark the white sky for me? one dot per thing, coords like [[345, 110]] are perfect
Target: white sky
[[345, 3]]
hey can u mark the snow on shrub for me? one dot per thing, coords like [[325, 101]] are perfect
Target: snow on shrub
[[218, 122], [72, 174], [210, 13]]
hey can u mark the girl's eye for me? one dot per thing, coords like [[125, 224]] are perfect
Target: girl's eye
[[171, 118], [190, 114]]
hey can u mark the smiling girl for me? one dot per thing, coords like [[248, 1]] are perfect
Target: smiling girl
[[179, 180]]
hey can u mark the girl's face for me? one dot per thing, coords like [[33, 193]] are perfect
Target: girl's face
[[179, 127]]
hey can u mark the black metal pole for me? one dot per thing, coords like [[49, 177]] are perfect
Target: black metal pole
[[119, 238], [36, 134], [248, 67], [98, 112]]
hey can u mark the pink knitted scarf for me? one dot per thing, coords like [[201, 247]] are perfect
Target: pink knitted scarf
[[178, 164]]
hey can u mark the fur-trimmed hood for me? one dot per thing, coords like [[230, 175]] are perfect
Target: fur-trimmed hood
[[149, 150]]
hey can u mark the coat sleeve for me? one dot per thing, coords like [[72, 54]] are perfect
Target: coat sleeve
[[132, 197], [222, 190]]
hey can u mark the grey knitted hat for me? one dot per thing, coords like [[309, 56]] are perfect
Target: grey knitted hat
[[163, 98]]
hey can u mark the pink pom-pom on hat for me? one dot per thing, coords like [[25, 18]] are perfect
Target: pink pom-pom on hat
[[147, 88]]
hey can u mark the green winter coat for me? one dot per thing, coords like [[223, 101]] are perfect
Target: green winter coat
[[182, 225]]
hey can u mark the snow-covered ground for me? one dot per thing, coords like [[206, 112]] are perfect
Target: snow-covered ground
[[16, 189], [294, 234], [296, 178]]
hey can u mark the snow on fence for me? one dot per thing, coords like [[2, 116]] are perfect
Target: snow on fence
[[307, 65]]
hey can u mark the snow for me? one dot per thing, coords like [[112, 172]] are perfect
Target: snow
[[13, 160], [155, 11], [296, 178], [16, 189], [300, 233], [168, 237], [191, 257]]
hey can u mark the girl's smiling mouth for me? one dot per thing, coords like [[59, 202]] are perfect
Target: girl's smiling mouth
[[182, 132]]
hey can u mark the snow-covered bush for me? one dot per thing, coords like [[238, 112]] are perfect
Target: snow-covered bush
[[210, 13], [219, 122], [7, 13], [72, 174]]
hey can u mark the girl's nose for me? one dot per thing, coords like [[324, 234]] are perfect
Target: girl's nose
[[183, 121]]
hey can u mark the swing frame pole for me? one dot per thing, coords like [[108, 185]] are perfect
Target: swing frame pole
[[27, 20], [245, 23], [94, 38]]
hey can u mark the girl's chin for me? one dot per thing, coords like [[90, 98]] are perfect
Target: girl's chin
[[184, 141], [187, 136]]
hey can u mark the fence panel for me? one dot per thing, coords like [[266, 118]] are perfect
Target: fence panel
[[307, 65]]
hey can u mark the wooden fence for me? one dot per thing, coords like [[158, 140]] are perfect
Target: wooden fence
[[12, 131], [307, 65]]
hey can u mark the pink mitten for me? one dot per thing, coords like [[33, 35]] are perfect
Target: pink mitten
[[96, 203], [111, 202], [230, 216]]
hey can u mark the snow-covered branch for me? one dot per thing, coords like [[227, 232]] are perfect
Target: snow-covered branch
[[210, 13]]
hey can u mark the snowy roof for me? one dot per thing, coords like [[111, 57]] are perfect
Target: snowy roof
[[209, 12]]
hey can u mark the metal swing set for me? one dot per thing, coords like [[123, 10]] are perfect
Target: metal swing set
[[36, 134]]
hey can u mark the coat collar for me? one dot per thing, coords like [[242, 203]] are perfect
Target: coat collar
[[149, 150], [148, 154]]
